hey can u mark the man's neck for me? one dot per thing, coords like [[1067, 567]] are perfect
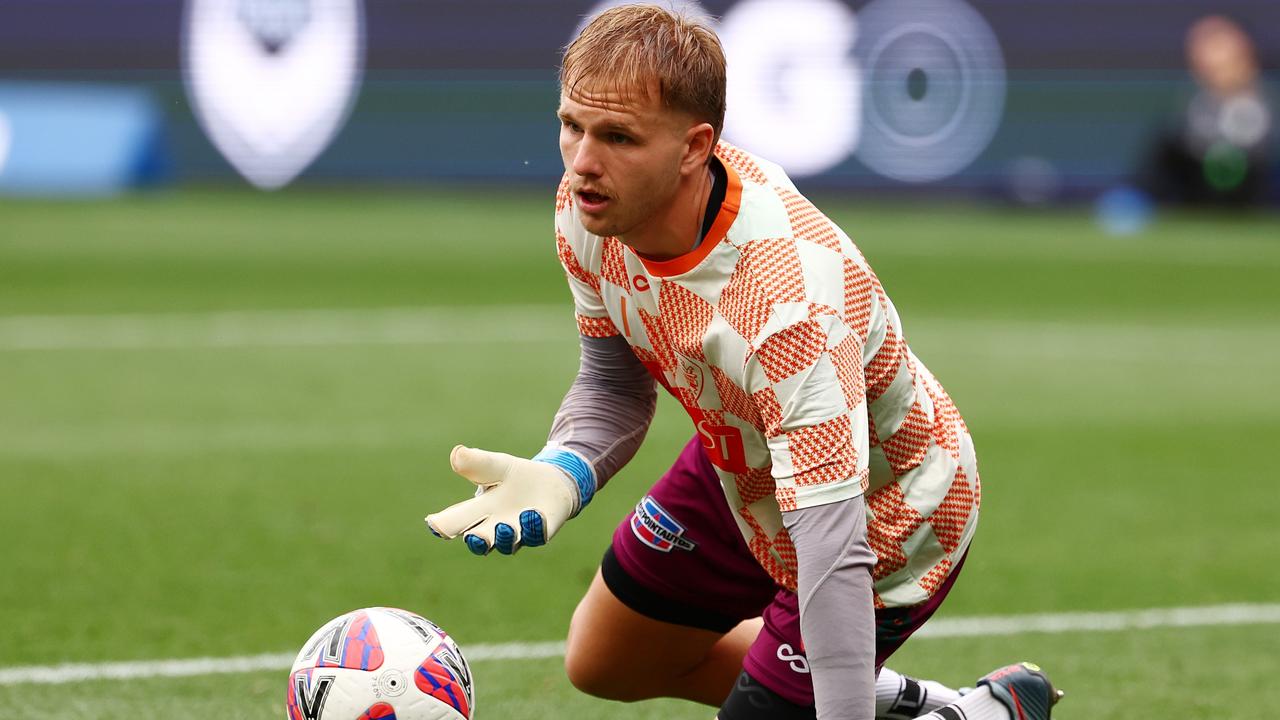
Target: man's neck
[[680, 229]]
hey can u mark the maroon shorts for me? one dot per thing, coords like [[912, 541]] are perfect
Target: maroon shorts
[[680, 558]]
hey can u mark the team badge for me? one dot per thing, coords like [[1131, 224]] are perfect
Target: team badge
[[656, 528], [272, 81], [693, 377]]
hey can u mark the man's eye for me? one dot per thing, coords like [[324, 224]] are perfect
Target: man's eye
[[618, 139], [572, 126]]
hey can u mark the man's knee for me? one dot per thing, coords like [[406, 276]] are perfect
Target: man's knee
[[615, 653], [597, 676], [593, 662]]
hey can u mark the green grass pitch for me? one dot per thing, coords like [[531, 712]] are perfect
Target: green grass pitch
[[223, 416]]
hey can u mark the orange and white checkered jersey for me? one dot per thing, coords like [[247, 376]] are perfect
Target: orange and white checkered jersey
[[779, 341]]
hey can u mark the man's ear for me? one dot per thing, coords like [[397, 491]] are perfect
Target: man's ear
[[699, 144]]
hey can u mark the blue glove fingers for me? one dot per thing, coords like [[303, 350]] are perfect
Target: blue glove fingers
[[476, 545], [532, 530], [504, 539]]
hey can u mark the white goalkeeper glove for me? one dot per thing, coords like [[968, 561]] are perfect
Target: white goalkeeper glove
[[518, 502]]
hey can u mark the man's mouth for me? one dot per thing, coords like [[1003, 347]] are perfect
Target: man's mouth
[[592, 200]]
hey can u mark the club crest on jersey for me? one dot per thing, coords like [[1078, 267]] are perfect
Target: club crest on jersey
[[693, 376], [656, 528], [272, 81]]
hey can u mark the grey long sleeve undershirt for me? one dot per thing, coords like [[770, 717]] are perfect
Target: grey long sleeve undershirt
[[607, 410], [605, 416], [837, 615]]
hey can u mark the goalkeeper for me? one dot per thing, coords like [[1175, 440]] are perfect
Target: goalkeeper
[[824, 506]]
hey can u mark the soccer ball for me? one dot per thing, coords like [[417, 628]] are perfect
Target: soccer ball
[[380, 664]]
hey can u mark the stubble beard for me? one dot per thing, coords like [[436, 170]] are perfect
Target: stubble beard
[[622, 219]]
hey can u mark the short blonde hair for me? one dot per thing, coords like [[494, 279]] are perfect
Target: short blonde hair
[[628, 48]]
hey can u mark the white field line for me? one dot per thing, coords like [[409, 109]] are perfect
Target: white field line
[[984, 626], [290, 328], [518, 323], [1235, 254], [79, 672], [1052, 623]]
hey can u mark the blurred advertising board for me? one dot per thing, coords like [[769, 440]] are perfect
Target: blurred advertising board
[[1052, 97]]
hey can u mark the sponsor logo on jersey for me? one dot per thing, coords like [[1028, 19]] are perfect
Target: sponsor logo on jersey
[[272, 81], [656, 528], [723, 444]]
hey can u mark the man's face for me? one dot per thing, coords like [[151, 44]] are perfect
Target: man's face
[[1222, 59], [623, 156]]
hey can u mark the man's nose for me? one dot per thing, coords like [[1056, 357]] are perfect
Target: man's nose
[[586, 158]]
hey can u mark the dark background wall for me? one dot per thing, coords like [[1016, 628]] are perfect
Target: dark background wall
[[466, 89]]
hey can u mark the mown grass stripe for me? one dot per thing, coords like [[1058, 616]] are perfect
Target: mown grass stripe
[[441, 325], [984, 626]]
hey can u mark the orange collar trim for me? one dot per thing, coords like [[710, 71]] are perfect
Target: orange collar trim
[[724, 219]]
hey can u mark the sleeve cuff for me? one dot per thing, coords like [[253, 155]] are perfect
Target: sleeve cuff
[[577, 467]]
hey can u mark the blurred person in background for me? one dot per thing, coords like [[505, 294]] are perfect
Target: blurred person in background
[[1219, 151]]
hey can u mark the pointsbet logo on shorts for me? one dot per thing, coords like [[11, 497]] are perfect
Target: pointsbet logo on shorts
[[272, 81], [656, 528]]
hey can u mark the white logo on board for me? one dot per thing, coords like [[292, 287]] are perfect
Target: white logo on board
[[934, 87], [794, 86], [914, 89], [272, 81]]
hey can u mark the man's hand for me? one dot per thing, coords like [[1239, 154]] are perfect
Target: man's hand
[[518, 502]]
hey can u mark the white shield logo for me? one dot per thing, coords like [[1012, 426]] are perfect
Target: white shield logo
[[272, 81]]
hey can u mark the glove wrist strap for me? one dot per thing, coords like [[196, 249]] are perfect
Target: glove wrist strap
[[577, 467]]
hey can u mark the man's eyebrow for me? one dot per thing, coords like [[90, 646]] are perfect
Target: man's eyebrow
[[611, 125], [618, 126]]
